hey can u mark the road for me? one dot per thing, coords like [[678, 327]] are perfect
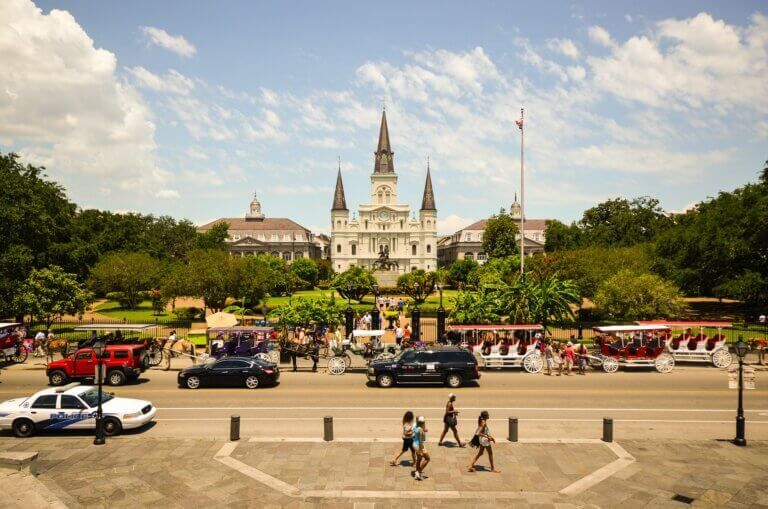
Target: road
[[692, 402]]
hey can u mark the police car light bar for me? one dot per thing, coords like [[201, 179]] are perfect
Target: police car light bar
[[65, 388]]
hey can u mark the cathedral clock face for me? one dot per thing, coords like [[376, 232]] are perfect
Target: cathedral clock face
[[384, 215]]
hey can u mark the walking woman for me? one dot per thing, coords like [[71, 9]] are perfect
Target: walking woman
[[450, 420], [407, 440], [483, 440]]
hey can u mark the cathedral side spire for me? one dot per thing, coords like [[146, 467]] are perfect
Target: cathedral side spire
[[384, 162], [428, 200], [339, 201]]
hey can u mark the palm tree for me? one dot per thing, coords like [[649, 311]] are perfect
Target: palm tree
[[552, 299]]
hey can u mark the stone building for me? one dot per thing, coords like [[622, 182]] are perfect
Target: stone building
[[257, 234], [384, 224], [467, 243]]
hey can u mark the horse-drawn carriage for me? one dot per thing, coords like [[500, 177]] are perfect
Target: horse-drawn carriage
[[687, 347], [632, 346], [113, 334], [503, 346], [244, 341], [12, 346], [373, 350]]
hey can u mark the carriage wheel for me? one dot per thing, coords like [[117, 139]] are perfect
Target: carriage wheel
[[337, 365], [610, 365], [347, 360], [664, 363], [722, 358], [20, 355], [533, 363], [274, 356], [263, 357], [155, 356]]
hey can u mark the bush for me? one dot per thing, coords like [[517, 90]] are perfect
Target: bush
[[325, 284], [188, 313]]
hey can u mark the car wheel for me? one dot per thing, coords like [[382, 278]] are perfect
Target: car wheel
[[112, 426], [57, 378], [116, 377], [193, 382], [385, 380], [252, 382], [23, 428], [453, 380]]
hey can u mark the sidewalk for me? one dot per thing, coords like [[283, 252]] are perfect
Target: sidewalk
[[138, 471]]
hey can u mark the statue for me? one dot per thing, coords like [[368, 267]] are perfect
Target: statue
[[384, 263]]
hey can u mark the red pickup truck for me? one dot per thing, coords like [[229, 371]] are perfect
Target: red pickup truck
[[120, 363]]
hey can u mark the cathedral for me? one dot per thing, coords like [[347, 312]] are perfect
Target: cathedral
[[384, 230]]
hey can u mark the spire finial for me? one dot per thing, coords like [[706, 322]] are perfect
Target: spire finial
[[339, 158], [384, 103]]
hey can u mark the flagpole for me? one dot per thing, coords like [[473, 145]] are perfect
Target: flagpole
[[522, 194]]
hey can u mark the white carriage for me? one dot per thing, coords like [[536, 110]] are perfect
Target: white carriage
[[693, 344], [503, 346], [632, 346]]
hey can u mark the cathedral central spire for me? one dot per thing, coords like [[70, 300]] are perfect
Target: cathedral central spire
[[339, 200], [384, 162]]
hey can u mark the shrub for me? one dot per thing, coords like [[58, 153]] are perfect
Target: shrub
[[189, 313]]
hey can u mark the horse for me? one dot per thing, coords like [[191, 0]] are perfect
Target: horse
[[52, 346], [180, 346]]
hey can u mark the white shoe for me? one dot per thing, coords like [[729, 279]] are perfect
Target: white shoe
[[417, 476]]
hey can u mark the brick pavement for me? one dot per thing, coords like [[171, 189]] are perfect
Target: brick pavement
[[169, 473]]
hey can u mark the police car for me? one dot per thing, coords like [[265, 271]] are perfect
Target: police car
[[73, 406]]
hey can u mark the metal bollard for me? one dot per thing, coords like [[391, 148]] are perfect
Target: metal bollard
[[234, 428], [607, 429], [328, 429], [512, 429]]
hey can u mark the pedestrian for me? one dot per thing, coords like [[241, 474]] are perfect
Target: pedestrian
[[582, 356], [407, 332], [407, 440], [450, 420], [420, 442], [569, 356], [557, 357], [400, 306], [399, 334], [39, 344], [549, 356], [483, 441]]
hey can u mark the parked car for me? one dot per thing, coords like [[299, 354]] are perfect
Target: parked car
[[121, 363], [73, 407], [246, 372], [448, 365]]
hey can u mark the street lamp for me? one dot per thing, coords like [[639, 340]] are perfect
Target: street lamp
[[741, 349], [440, 314], [375, 323], [348, 314], [416, 314], [98, 348]]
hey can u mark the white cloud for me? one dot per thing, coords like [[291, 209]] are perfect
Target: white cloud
[[173, 82], [601, 36], [452, 223], [201, 120], [564, 47], [62, 103], [167, 194], [266, 127], [302, 189], [196, 154], [174, 43]]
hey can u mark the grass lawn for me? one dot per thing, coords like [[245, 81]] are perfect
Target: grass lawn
[[143, 313]]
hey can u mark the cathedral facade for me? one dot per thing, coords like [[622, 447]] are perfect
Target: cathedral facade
[[384, 229]]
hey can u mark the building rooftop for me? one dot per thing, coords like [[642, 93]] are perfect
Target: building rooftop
[[266, 224]]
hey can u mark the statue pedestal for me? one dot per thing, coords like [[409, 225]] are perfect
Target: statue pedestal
[[386, 278]]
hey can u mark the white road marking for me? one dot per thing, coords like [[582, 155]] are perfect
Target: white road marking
[[521, 409], [317, 419]]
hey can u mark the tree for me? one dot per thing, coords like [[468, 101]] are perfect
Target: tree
[[174, 283], [129, 273], [750, 288], [460, 271], [256, 279], [215, 238], [631, 296], [159, 301], [34, 219], [325, 269], [622, 222], [49, 294], [212, 276], [552, 299], [354, 283], [560, 236], [417, 284], [474, 308], [306, 270], [499, 236], [309, 312]]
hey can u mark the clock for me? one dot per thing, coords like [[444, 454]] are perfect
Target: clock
[[384, 215]]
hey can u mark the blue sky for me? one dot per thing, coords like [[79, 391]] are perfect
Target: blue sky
[[187, 108]]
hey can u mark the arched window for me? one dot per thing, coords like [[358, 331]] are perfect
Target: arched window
[[469, 256], [387, 195], [338, 248], [366, 224], [354, 249], [413, 250], [381, 197], [338, 224], [429, 248], [287, 256]]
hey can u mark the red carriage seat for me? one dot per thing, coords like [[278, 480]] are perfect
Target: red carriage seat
[[694, 341], [504, 348], [711, 342], [679, 339]]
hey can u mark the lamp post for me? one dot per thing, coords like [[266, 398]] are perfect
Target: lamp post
[[348, 314], [416, 314], [741, 351], [98, 348], [440, 315], [375, 321]]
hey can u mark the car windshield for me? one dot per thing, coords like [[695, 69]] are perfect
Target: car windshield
[[209, 363], [403, 354], [91, 397]]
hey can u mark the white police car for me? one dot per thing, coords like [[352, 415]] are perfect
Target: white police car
[[73, 406]]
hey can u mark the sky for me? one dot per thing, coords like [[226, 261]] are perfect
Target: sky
[[186, 108]]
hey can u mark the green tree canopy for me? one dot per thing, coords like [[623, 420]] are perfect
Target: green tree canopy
[[354, 283], [417, 284], [631, 296], [215, 238], [499, 236], [213, 276], [306, 270], [460, 271], [309, 312], [560, 236], [128, 273], [50, 293]]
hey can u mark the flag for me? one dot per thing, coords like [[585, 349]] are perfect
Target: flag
[[519, 123]]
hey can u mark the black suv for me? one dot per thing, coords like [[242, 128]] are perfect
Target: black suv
[[448, 365]]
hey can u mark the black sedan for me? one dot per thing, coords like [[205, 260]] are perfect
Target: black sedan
[[230, 372]]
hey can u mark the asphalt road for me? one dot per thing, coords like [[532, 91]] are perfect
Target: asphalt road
[[692, 402]]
